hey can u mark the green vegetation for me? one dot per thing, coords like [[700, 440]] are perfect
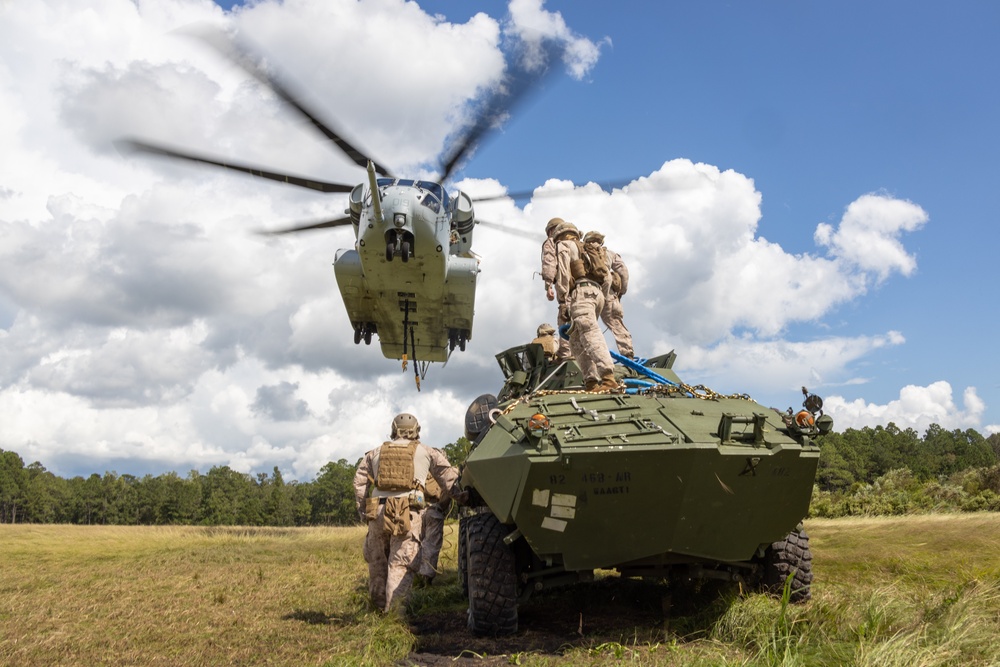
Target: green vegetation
[[908, 591], [887, 471], [31, 494], [862, 472]]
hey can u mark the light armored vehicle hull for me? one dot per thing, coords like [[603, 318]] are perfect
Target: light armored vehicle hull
[[660, 480]]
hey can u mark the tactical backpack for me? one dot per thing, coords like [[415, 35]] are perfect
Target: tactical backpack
[[595, 261]]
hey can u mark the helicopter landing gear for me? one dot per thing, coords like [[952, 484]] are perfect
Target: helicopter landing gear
[[403, 244], [457, 338], [364, 331]]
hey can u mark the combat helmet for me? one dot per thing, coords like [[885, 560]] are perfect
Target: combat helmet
[[594, 237], [545, 330], [566, 228], [405, 425], [552, 224]]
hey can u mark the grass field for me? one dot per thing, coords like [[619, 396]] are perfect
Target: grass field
[[910, 591]]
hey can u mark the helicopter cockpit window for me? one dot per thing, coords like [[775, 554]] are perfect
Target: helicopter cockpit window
[[384, 183], [436, 190], [431, 202]]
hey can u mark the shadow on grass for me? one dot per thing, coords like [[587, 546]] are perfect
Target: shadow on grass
[[359, 613], [610, 610], [311, 617]]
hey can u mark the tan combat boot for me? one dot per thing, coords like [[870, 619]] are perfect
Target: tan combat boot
[[608, 383], [590, 385]]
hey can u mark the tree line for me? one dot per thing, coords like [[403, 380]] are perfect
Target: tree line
[[892, 471], [222, 496], [880, 470]]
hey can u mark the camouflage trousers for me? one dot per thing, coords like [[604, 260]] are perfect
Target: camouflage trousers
[[564, 352], [612, 316], [432, 523], [392, 561], [586, 339]]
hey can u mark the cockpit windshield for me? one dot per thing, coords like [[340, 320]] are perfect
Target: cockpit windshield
[[435, 197]]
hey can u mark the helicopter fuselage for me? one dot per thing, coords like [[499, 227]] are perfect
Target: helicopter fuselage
[[411, 277]]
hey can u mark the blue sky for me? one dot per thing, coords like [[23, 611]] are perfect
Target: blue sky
[[819, 212]]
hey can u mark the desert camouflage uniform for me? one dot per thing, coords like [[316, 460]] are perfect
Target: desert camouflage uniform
[[546, 337], [392, 549], [549, 266], [613, 315], [432, 527], [585, 301]]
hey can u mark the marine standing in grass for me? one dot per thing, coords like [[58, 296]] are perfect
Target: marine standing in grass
[[389, 491], [432, 525]]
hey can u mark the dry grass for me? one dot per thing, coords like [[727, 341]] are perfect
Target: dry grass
[[927, 552], [908, 591], [74, 595]]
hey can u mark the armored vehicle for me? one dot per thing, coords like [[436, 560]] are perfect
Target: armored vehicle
[[659, 479]]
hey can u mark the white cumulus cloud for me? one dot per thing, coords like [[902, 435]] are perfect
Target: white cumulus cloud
[[916, 408], [146, 327]]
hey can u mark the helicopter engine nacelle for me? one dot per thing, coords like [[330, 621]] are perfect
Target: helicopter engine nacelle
[[463, 222], [356, 204]]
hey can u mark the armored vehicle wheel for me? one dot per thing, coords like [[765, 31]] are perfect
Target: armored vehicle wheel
[[463, 560], [492, 577], [790, 556]]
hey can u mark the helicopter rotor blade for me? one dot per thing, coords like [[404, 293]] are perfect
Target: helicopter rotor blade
[[512, 92], [335, 222], [242, 55], [134, 145], [513, 231]]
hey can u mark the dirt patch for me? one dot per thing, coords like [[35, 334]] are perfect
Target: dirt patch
[[614, 610]]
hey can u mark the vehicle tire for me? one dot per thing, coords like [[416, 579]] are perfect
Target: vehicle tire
[[789, 557], [478, 417], [463, 556], [390, 249], [368, 335], [357, 335], [404, 251], [492, 577]]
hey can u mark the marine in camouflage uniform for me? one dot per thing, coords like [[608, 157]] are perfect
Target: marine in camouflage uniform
[[613, 315], [583, 300], [389, 492], [432, 527], [549, 266], [545, 336]]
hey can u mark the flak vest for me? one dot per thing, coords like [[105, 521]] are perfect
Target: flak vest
[[400, 469]]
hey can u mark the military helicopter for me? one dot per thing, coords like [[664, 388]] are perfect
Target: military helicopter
[[410, 278]]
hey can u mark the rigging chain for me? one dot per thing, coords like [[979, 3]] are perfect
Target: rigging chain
[[699, 391]]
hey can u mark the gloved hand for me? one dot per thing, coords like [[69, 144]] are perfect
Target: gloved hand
[[461, 497], [564, 312]]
